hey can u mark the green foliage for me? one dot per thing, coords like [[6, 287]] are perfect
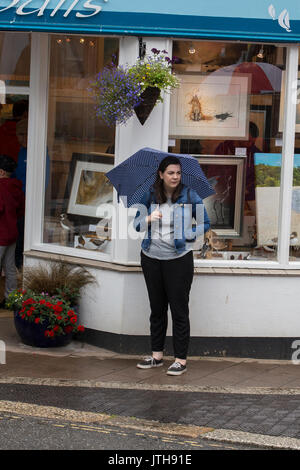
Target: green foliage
[[266, 175], [154, 71]]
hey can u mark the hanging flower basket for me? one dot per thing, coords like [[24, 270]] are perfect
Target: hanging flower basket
[[149, 98], [121, 91]]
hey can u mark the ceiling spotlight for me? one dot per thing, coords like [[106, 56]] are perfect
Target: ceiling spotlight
[[92, 43], [260, 55], [68, 40], [59, 41], [192, 50], [81, 40]]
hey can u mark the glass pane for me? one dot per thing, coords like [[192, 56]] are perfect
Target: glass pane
[[14, 103], [295, 215], [226, 113], [80, 146], [14, 59]]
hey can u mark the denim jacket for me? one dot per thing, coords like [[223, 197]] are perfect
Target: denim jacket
[[188, 206]]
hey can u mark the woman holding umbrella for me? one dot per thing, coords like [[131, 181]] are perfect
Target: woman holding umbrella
[[167, 259]]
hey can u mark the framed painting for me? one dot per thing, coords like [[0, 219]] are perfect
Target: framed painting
[[268, 178], [225, 207], [88, 186], [210, 107]]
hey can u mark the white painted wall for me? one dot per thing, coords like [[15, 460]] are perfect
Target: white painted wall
[[224, 305], [220, 305]]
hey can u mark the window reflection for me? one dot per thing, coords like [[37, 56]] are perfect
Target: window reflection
[[227, 113], [80, 146]]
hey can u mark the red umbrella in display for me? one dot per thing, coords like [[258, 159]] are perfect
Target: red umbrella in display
[[265, 78]]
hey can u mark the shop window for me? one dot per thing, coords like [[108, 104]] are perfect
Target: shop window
[[80, 147], [295, 209], [226, 113], [14, 104], [14, 90]]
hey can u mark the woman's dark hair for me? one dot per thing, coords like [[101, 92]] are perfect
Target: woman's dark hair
[[158, 186]]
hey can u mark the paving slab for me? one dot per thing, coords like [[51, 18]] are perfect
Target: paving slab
[[241, 397]]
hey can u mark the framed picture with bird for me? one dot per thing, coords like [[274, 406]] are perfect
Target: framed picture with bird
[[210, 106]]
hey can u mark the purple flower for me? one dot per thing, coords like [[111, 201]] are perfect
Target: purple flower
[[115, 94], [155, 51]]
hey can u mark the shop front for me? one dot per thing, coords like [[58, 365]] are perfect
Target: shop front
[[236, 111]]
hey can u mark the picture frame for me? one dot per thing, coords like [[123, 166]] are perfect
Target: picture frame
[[87, 186], [211, 107], [268, 171], [225, 207]]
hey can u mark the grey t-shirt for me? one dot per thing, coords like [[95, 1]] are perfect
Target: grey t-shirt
[[162, 244]]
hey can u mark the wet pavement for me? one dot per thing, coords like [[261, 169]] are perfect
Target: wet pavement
[[235, 400]]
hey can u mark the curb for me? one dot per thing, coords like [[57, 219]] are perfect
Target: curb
[[143, 425], [240, 437]]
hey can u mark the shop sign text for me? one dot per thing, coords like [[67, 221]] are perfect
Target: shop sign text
[[88, 5]]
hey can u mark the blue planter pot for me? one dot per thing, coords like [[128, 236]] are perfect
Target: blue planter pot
[[33, 334]]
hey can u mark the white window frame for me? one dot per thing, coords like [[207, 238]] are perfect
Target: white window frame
[[37, 141], [286, 179], [36, 156]]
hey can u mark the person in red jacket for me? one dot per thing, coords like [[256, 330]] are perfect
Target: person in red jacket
[[12, 206], [9, 143]]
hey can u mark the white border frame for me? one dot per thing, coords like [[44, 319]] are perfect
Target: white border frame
[[82, 209]]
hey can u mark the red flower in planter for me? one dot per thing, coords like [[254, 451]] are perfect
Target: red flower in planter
[[54, 314], [49, 333], [57, 308]]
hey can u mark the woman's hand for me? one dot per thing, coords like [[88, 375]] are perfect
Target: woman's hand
[[155, 215]]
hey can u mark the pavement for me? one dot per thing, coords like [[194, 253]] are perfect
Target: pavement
[[237, 400]]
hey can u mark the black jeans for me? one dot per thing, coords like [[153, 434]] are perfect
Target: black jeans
[[168, 283]]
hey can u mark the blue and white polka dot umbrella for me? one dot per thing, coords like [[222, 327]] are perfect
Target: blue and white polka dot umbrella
[[136, 175]]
